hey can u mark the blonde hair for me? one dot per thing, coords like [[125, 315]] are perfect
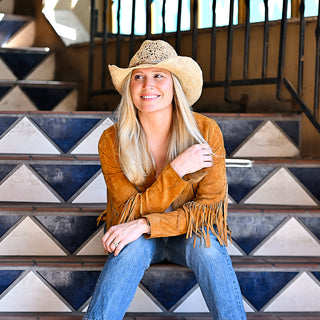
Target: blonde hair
[[135, 160]]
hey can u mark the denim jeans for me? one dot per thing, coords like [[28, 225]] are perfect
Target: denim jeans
[[211, 266]]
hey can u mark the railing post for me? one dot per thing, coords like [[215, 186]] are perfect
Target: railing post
[[265, 39], [195, 29], [213, 41], [246, 41], [317, 69], [301, 47]]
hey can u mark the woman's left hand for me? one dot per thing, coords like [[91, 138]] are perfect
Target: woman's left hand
[[120, 235]]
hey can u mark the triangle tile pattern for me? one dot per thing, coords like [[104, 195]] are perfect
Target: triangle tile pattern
[[5, 73], [260, 287], [236, 131], [4, 90], [233, 250], [90, 144], [65, 131], [7, 277], [25, 138], [142, 303], [290, 240], [74, 286], [95, 192], [167, 287], [16, 100], [24, 186], [5, 169], [8, 28], [94, 246], [194, 303], [242, 180], [70, 231], [302, 295], [44, 71], [33, 241], [46, 98], [6, 122], [66, 179], [310, 177], [316, 274], [292, 129], [249, 231], [268, 141], [31, 295], [281, 189], [313, 223], [6, 222], [22, 62]]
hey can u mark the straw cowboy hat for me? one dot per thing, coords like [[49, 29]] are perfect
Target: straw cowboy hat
[[161, 54]]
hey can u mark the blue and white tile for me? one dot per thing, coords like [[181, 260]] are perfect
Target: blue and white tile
[[32, 240], [93, 247], [233, 249], [24, 186], [5, 72], [291, 239], [16, 100], [31, 294], [24, 37], [45, 71], [281, 189], [142, 303], [95, 192], [90, 144], [193, 303], [26, 138], [301, 295], [268, 141], [69, 103]]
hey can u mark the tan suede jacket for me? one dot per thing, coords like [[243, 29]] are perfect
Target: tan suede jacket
[[198, 200]]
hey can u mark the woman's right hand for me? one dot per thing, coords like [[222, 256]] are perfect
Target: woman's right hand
[[196, 157]]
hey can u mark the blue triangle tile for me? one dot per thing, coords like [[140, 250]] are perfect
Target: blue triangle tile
[[6, 122], [242, 180], [260, 287], [313, 224], [168, 287], [46, 98], [291, 129], [4, 90], [310, 178], [6, 222], [5, 170], [66, 180], [76, 287], [21, 62], [249, 231], [70, 231], [8, 28], [7, 277], [65, 132], [236, 131], [316, 274]]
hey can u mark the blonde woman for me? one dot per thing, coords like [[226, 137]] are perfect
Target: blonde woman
[[164, 167]]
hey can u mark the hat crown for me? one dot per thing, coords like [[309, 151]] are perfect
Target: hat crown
[[153, 52]]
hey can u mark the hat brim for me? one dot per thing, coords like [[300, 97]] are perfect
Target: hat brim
[[185, 69]]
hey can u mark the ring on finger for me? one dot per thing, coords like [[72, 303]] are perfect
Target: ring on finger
[[116, 244]]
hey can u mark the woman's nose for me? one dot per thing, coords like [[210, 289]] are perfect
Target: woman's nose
[[148, 83]]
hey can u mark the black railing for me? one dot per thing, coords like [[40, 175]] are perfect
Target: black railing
[[280, 80]]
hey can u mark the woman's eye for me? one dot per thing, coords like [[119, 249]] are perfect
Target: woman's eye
[[137, 77], [158, 76]]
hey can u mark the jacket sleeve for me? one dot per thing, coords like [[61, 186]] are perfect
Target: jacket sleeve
[[208, 210], [128, 202]]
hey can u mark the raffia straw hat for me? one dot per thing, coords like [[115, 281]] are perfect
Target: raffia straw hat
[[161, 54]]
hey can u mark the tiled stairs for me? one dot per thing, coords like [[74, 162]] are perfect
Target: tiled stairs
[[52, 190], [27, 73]]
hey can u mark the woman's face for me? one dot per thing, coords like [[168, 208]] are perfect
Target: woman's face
[[151, 89]]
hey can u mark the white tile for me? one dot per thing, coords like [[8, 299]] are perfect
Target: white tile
[[28, 239], [26, 138], [69, 103], [281, 189], [16, 100], [31, 295], [233, 250], [7, 6], [142, 303], [268, 141], [94, 246], [194, 303], [95, 192], [24, 37], [45, 70], [24, 186], [5, 72], [247, 308], [230, 200], [90, 144], [302, 295], [290, 240]]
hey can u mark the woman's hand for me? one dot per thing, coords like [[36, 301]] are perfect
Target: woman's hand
[[120, 235], [196, 157]]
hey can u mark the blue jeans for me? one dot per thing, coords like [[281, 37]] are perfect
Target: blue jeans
[[211, 266]]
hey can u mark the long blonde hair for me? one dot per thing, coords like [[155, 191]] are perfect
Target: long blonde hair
[[136, 162]]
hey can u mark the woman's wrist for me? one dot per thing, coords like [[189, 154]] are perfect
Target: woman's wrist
[[146, 225]]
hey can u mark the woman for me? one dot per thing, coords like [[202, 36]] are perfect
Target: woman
[[164, 167]]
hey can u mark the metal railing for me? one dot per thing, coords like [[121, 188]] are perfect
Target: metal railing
[[280, 80]]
